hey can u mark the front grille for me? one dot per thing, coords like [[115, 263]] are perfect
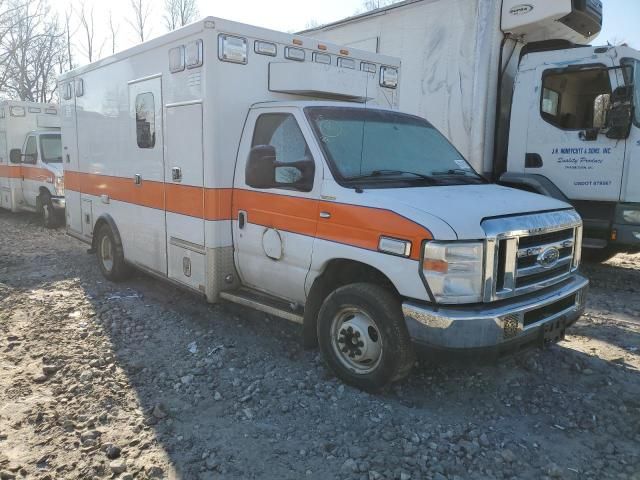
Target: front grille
[[531, 253]]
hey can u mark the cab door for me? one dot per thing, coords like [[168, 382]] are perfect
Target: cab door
[[30, 186], [564, 141], [276, 209], [631, 185]]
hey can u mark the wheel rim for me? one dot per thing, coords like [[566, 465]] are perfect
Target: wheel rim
[[356, 340], [106, 253]]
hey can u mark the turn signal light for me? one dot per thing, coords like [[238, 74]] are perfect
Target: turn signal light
[[439, 266]]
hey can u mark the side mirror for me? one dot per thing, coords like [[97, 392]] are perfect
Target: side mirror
[[260, 171], [620, 116], [263, 171], [15, 155]]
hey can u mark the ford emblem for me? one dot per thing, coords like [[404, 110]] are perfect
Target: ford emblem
[[549, 257], [521, 9]]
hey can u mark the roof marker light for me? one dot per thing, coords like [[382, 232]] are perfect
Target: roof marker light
[[344, 51], [322, 46], [297, 41]]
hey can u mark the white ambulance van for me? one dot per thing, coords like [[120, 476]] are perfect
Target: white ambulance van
[[31, 173], [272, 170], [517, 89]]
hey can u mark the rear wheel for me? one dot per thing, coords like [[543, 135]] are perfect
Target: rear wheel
[[111, 255], [363, 337], [47, 213]]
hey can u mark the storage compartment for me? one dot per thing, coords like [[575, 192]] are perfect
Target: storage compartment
[[187, 264], [87, 218]]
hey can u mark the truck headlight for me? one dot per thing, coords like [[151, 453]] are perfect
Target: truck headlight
[[631, 215], [454, 271], [59, 184]]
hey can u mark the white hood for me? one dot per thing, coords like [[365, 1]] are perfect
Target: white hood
[[463, 207]]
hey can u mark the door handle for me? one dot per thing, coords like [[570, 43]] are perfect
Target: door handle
[[137, 179], [176, 174], [242, 218]]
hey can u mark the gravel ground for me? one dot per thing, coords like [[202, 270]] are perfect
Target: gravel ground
[[140, 380]]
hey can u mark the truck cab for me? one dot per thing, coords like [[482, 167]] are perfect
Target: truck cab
[[31, 172], [579, 129]]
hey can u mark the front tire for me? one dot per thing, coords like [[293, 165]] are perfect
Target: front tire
[[363, 337], [111, 256], [47, 213]]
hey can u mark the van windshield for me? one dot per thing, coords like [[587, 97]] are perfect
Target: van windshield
[[385, 148], [51, 148]]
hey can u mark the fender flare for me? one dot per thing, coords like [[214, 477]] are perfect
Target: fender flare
[[105, 218], [538, 183]]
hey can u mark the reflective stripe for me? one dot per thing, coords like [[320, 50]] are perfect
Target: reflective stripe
[[355, 225], [27, 173]]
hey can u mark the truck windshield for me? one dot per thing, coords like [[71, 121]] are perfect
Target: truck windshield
[[379, 147], [51, 148]]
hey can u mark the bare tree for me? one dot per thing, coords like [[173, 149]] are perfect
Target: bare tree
[[179, 13], [368, 5], [34, 47], [311, 23], [141, 10], [87, 24], [68, 35], [113, 31]]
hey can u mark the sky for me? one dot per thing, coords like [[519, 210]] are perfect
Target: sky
[[622, 17]]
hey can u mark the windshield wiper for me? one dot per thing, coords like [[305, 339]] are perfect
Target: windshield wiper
[[460, 172], [393, 173]]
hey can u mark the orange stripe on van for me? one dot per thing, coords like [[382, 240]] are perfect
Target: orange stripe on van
[[10, 171], [217, 203], [363, 226], [37, 173], [354, 225], [148, 193], [293, 214]]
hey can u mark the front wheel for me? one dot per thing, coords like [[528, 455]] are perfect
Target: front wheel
[[111, 256], [363, 337], [46, 211]]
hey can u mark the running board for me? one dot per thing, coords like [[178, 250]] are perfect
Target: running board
[[264, 303]]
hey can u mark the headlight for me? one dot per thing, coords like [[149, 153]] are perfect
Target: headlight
[[454, 271], [631, 216], [59, 186]]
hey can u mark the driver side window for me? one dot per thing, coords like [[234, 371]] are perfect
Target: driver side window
[[31, 151], [281, 131]]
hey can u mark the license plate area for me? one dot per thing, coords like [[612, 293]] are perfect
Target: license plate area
[[554, 332]]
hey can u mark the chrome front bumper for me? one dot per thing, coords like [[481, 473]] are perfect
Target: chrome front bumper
[[494, 326], [59, 203]]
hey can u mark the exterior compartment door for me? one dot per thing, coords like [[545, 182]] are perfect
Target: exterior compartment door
[[141, 219], [184, 195]]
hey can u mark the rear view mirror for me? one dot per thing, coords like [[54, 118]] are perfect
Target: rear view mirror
[[15, 155], [601, 107], [620, 115]]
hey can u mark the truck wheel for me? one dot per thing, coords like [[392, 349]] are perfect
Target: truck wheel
[[47, 213], [363, 337], [111, 256]]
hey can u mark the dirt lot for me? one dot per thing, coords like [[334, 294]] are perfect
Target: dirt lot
[[139, 380]]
